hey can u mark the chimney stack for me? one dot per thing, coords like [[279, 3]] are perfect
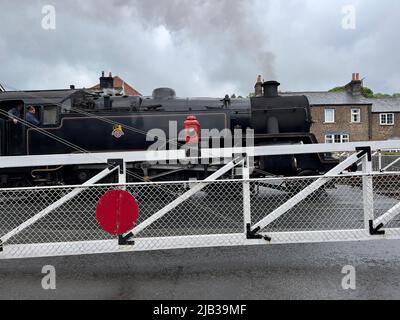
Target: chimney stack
[[258, 87], [355, 86], [106, 82]]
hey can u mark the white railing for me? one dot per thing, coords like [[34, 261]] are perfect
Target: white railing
[[339, 206]]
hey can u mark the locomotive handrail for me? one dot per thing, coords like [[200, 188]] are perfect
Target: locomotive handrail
[[165, 155]]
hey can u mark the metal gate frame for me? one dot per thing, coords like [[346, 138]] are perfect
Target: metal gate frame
[[252, 232]]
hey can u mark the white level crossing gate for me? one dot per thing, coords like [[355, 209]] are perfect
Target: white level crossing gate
[[339, 206]]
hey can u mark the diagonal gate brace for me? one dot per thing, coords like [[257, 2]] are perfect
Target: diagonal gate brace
[[158, 215], [307, 192], [54, 206]]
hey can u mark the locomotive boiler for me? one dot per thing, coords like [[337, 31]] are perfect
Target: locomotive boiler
[[84, 121]]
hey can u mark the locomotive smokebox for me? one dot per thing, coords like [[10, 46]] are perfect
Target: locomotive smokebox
[[271, 89]]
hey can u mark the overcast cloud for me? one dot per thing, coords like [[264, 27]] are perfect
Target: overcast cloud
[[200, 47]]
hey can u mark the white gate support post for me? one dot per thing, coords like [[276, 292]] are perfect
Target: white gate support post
[[246, 195], [198, 187], [122, 173], [368, 191], [54, 206], [305, 193], [120, 163]]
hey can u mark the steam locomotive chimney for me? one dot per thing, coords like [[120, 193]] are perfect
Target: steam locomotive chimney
[[271, 89], [106, 82], [258, 87]]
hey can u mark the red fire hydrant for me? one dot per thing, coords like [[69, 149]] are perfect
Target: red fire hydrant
[[192, 130]]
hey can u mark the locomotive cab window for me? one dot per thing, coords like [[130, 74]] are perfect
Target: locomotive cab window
[[50, 115]]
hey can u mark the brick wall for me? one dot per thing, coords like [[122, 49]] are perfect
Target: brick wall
[[343, 124], [380, 132]]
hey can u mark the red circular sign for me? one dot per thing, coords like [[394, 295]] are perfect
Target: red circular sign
[[117, 212]]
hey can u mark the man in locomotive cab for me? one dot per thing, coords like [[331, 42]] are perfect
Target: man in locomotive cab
[[31, 116], [16, 113]]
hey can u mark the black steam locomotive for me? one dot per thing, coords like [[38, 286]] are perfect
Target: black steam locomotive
[[85, 121]]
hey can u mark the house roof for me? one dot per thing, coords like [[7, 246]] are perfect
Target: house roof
[[331, 98], [386, 105], [325, 98], [120, 83]]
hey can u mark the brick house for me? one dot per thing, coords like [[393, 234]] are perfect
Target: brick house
[[348, 116], [114, 85]]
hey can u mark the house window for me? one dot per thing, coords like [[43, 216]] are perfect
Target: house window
[[355, 115], [337, 138], [329, 115], [387, 119]]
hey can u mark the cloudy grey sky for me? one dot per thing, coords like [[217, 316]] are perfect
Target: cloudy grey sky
[[200, 47]]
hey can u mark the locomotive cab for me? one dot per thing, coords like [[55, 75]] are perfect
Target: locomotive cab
[[12, 134]]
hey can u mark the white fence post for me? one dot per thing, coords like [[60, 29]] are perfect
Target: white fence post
[[246, 195], [368, 190]]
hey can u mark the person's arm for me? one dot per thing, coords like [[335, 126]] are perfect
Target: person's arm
[[12, 116], [35, 121], [31, 118]]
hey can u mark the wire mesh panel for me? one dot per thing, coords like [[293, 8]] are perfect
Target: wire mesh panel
[[347, 207], [213, 216], [387, 196], [382, 161], [75, 220], [216, 210], [338, 205]]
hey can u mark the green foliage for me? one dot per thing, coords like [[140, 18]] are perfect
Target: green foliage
[[382, 95], [338, 89], [368, 93]]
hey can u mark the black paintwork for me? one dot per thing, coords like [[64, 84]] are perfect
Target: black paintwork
[[88, 121]]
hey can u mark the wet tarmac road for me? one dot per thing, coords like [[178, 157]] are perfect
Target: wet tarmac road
[[311, 271]]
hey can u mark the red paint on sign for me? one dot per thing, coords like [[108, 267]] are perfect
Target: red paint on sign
[[117, 212]]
